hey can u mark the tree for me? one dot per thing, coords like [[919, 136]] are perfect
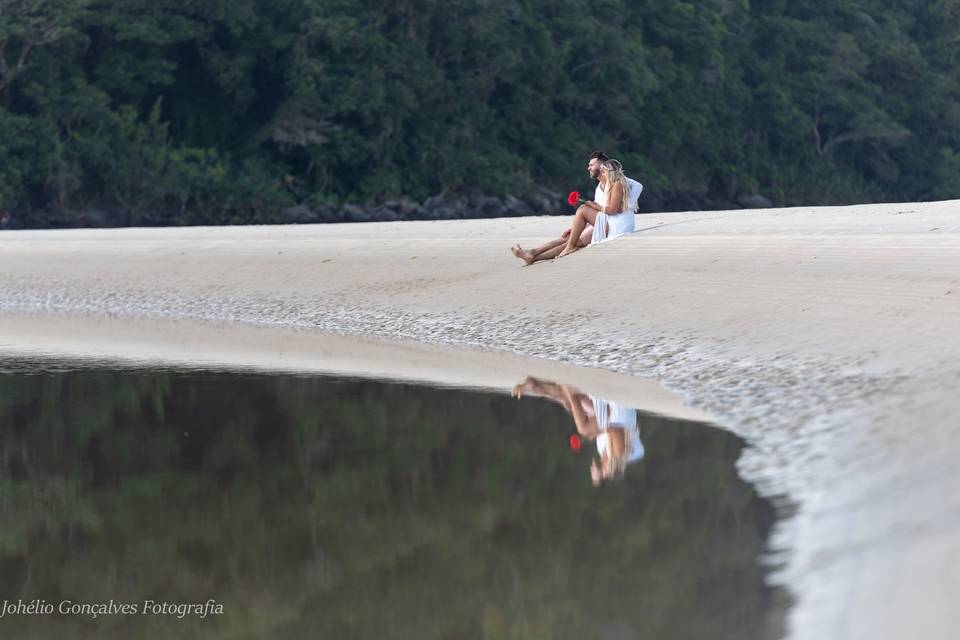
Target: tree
[[28, 24]]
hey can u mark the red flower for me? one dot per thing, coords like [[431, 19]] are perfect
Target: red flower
[[575, 442], [573, 198]]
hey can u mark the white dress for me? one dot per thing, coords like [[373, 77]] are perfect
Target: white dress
[[611, 225], [612, 414]]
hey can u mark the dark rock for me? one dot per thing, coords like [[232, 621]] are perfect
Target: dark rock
[[327, 212], [542, 201], [117, 216], [494, 208], [488, 207], [450, 209], [354, 213], [88, 218], [406, 207], [298, 214], [514, 206], [754, 201], [418, 213], [461, 208], [434, 203], [383, 214], [41, 219], [545, 205]]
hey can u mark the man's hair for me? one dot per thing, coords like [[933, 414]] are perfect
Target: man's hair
[[599, 155]]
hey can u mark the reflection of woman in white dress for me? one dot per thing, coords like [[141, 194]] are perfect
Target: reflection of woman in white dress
[[618, 443], [613, 426], [615, 217]]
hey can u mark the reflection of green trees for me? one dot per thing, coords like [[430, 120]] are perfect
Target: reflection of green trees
[[313, 508]]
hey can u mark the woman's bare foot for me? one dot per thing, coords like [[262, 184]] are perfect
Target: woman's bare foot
[[567, 251], [521, 253], [526, 386]]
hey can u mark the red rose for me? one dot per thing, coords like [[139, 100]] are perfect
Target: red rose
[[573, 198], [575, 442]]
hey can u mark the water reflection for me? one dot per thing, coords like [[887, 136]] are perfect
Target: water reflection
[[613, 427], [318, 508]]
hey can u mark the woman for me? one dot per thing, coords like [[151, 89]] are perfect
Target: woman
[[618, 442], [610, 219]]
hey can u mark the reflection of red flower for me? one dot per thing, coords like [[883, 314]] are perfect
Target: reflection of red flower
[[573, 198], [575, 442]]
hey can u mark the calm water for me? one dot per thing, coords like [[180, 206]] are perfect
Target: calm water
[[311, 507]]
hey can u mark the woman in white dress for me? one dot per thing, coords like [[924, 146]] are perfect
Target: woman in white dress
[[618, 440], [614, 218]]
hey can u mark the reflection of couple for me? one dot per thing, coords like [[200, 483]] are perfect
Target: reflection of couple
[[613, 427], [610, 214]]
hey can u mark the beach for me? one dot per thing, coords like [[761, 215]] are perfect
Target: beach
[[823, 336]]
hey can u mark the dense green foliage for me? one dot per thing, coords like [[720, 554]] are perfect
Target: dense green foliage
[[317, 509], [221, 111]]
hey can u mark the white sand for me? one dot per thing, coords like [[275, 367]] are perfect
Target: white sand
[[826, 337]]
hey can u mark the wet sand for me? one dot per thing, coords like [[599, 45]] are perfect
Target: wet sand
[[824, 336], [136, 341]]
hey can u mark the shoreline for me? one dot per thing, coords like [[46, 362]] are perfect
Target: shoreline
[[819, 335], [142, 342]]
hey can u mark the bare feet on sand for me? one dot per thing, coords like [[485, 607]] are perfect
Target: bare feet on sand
[[521, 253]]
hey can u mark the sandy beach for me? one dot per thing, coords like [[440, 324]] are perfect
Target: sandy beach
[[823, 336]]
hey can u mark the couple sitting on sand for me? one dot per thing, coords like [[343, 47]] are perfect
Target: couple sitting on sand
[[611, 214]]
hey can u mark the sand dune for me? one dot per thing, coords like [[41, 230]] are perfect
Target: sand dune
[[825, 336]]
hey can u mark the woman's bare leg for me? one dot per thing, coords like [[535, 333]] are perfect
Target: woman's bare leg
[[558, 246], [576, 403], [548, 246], [545, 251], [531, 386], [584, 215], [586, 424], [550, 249], [552, 253]]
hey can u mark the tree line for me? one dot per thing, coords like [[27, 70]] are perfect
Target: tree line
[[227, 112]]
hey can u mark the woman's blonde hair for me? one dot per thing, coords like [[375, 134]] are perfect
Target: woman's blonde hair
[[614, 172], [618, 452]]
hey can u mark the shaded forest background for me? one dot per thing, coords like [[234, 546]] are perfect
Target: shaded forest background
[[166, 112]]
